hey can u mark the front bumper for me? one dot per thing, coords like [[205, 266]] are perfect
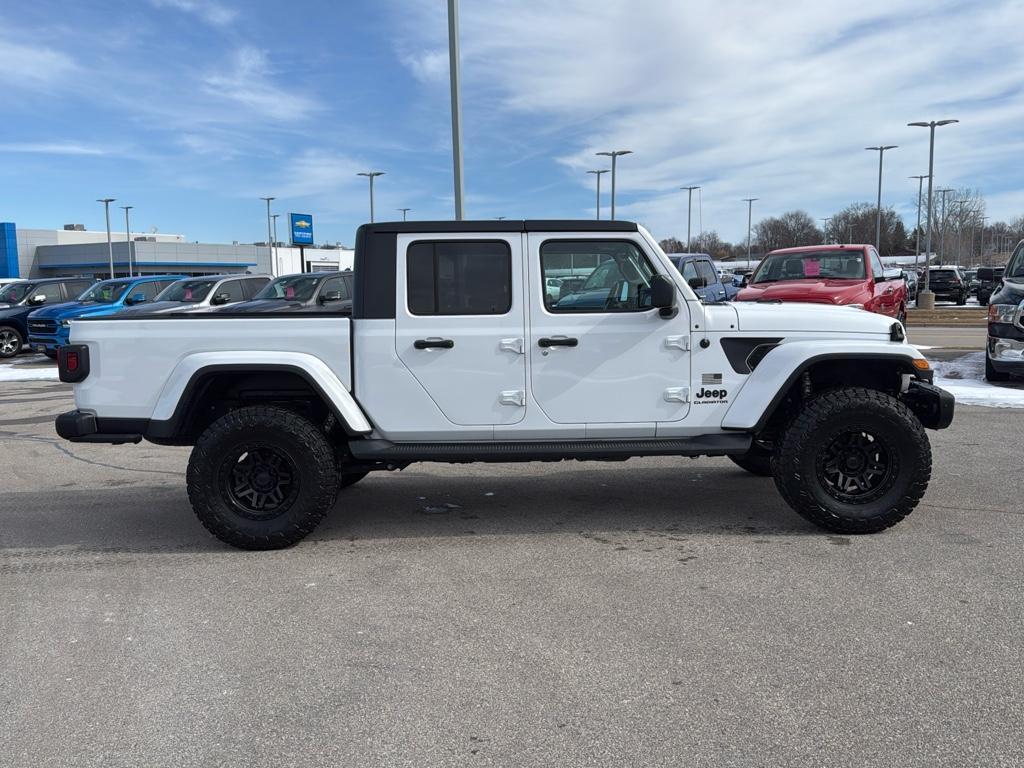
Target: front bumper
[[46, 343], [1006, 355], [85, 427]]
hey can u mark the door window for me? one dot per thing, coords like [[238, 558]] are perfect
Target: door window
[[76, 288], [619, 282], [333, 284], [459, 278], [705, 270], [233, 288], [254, 284], [50, 290], [876, 265]]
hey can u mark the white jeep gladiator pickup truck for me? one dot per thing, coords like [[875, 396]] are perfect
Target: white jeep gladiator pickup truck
[[504, 341]]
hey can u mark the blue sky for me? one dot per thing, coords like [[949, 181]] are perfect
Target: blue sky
[[192, 110]]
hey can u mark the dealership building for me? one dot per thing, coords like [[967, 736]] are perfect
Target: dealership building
[[75, 251]]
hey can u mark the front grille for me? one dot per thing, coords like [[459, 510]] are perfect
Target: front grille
[[42, 326]]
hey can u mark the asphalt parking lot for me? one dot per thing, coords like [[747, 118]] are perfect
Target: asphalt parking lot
[[654, 612]]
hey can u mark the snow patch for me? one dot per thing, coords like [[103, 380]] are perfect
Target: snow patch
[[29, 368], [964, 378]]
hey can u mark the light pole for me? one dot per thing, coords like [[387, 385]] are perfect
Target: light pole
[[371, 175], [689, 213], [917, 243], [942, 227], [878, 217], [454, 73], [824, 229], [270, 235], [750, 207], [960, 230], [128, 235], [926, 294], [110, 246], [613, 155], [597, 175], [404, 212], [981, 245], [273, 248]]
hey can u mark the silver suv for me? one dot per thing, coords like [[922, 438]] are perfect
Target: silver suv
[[201, 294]]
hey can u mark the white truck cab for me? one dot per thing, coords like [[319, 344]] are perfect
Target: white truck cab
[[511, 341]]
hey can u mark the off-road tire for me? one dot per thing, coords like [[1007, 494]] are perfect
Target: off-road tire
[[757, 461], [216, 462], [801, 460], [991, 374], [11, 342]]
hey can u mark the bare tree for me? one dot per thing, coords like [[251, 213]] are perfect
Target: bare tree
[[788, 230]]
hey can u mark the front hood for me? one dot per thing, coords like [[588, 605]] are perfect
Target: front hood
[[809, 318], [262, 305], [78, 309], [55, 310], [162, 308], [819, 291]]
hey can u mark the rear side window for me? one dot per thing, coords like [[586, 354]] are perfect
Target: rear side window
[[149, 290], [76, 288], [254, 284], [459, 278]]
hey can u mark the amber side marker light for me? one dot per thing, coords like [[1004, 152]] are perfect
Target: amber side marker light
[[922, 365]]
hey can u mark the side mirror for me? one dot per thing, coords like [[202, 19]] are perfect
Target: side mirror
[[744, 281], [329, 296], [697, 282], [220, 298], [39, 298], [137, 298], [663, 296]]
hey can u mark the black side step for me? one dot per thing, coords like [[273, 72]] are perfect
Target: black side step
[[550, 450]]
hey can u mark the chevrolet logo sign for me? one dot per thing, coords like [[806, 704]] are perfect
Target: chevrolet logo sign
[[303, 224]]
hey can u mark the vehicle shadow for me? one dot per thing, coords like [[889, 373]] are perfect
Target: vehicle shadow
[[496, 500]]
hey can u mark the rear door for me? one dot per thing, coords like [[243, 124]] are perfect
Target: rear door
[[460, 323]]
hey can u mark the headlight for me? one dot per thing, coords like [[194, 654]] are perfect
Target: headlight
[[1002, 313]]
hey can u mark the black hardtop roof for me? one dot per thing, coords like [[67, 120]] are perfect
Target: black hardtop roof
[[505, 225]]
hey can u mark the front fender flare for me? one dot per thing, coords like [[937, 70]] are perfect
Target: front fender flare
[[781, 367]]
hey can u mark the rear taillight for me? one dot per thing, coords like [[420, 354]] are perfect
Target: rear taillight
[[73, 362]]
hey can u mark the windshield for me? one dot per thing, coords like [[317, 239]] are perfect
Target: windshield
[[104, 293], [187, 291], [819, 265], [1015, 267], [15, 292], [293, 288]]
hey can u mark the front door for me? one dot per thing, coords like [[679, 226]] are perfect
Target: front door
[[460, 324], [599, 353]]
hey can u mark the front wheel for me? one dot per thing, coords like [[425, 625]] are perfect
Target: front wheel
[[854, 460], [262, 478], [10, 341]]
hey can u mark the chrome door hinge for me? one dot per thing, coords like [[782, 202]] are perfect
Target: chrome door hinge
[[677, 395], [511, 345], [678, 342], [513, 397]]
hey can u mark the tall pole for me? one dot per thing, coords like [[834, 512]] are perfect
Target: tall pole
[[404, 212], [689, 214], [128, 235], [110, 245], [270, 234], [454, 70], [942, 227], [750, 207], [273, 248], [981, 245], [917, 243], [615, 153], [597, 175], [928, 296], [824, 229], [371, 175], [960, 230], [878, 216]]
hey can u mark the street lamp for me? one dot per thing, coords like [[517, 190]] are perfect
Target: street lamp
[[404, 212], [613, 155], [824, 229], [878, 217], [917, 243], [942, 227], [689, 213], [128, 235], [454, 75], [750, 207], [274, 265], [926, 294], [110, 246], [597, 175], [270, 236], [371, 175]]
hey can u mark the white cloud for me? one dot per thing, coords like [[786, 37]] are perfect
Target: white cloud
[[209, 10], [32, 66], [248, 83], [57, 148], [746, 100]]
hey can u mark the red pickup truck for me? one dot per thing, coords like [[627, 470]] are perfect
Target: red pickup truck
[[850, 275]]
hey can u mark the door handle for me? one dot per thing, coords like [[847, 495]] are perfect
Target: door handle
[[433, 344], [558, 341]]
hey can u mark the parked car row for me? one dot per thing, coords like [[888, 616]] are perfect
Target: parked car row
[[37, 313]]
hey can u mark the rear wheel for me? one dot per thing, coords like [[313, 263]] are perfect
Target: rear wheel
[[262, 478], [991, 374], [757, 461], [10, 341], [854, 461], [961, 299], [902, 315]]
